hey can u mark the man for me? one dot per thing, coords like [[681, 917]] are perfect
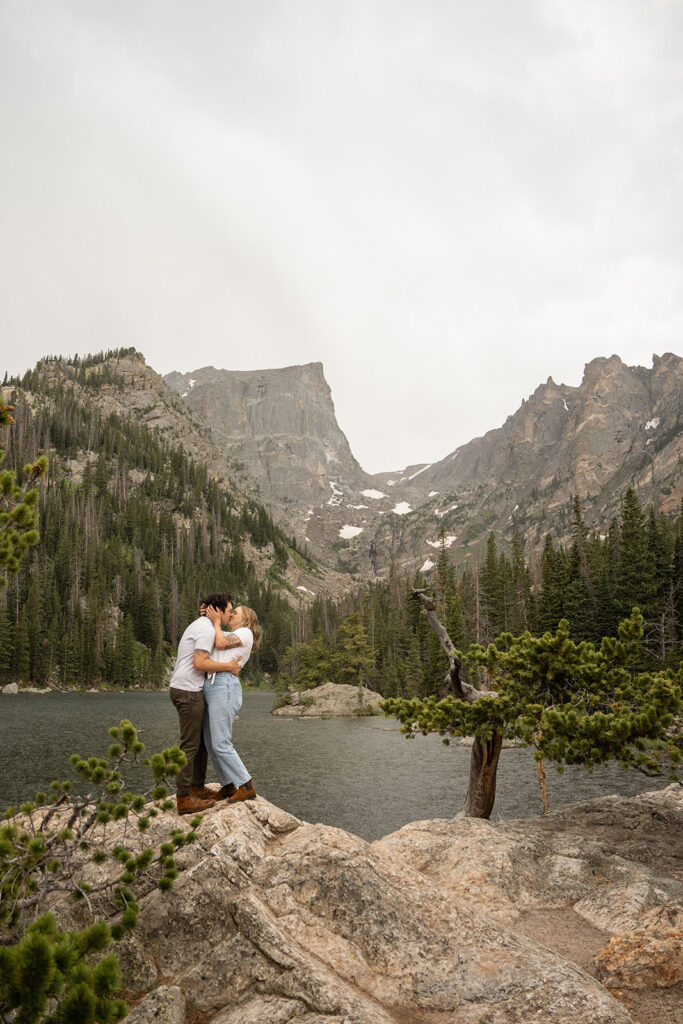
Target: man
[[187, 695]]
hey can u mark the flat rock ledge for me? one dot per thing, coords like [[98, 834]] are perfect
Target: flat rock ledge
[[331, 700], [566, 919]]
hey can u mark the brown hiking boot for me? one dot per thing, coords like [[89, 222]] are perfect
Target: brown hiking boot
[[192, 804], [204, 792], [245, 792], [225, 792]]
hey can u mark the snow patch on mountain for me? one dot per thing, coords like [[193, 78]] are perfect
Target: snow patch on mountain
[[347, 532], [337, 495], [420, 471], [448, 541]]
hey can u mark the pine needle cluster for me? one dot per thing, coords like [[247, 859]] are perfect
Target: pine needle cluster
[[95, 849]]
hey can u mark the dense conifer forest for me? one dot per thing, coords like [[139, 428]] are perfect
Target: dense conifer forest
[[126, 552], [133, 533], [380, 637]]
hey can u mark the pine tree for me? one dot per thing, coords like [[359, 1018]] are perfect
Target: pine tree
[[455, 621], [22, 646], [574, 703], [580, 605], [413, 680], [124, 654], [677, 577], [49, 975], [354, 658], [634, 586], [37, 647], [660, 614], [521, 610], [314, 663], [7, 632], [550, 603], [491, 595]]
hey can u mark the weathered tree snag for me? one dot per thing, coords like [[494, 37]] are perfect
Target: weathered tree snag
[[452, 682], [481, 791]]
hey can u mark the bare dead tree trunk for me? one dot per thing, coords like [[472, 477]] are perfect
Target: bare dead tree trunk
[[481, 791]]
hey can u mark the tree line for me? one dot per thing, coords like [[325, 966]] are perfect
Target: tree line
[[380, 637]]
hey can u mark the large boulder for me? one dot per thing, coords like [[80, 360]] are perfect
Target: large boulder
[[331, 700], [10, 688], [276, 920], [647, 957]]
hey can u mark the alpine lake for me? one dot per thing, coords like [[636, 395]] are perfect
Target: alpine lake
[[359, 774]]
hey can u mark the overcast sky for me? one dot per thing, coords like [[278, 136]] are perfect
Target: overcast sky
[[444, 202]]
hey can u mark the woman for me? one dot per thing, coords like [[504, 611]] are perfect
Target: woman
[[223, 697]]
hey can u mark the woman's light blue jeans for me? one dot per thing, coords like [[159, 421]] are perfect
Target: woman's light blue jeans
[[223, 700]]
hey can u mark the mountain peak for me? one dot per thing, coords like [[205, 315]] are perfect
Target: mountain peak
[[601, 365]]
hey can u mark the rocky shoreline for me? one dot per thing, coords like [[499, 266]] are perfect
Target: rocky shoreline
[[570, 918], [12, 689]]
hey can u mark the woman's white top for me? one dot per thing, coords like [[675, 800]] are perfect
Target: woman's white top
[[239, 653]]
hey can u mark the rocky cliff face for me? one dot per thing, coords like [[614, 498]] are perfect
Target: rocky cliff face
[[280, 424], [573, 918], [279, 431], [562, 441], [273, 435], [621, 424]]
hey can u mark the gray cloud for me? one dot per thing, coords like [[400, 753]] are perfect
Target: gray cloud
[[445, 203]]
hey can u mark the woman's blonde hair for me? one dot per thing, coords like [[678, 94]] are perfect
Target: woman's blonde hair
[[250, 620]]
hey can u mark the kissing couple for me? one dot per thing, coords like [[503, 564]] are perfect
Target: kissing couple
[[207, 694]]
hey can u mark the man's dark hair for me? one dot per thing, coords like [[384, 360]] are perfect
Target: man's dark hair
[[220, 601]]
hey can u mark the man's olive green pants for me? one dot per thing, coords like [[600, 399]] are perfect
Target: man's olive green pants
[[190, 707]]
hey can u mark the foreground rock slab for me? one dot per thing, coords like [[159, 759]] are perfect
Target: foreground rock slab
[[276, 920]]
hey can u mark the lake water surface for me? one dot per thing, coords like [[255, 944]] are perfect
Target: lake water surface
[[359, 774]]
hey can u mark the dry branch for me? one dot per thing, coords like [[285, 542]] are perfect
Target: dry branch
[[453, 682]]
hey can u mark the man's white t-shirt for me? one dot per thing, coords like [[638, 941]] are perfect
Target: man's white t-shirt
[[240, 653], [200, 635]]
